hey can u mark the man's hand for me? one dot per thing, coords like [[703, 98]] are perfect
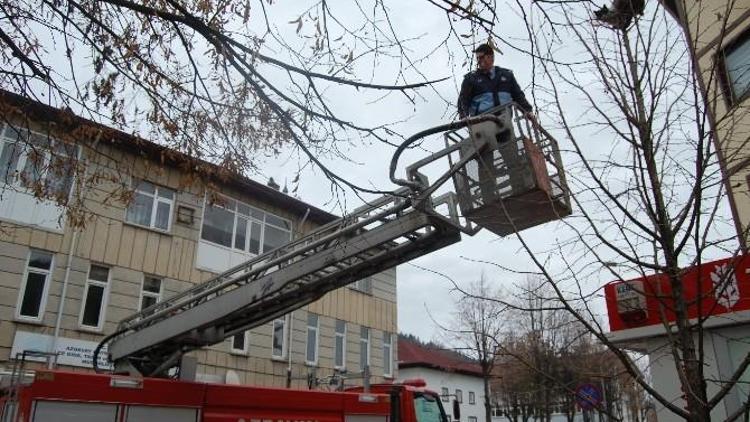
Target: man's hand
[[531, 117]]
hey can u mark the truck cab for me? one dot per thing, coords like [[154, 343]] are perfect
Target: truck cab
[[410, 401]]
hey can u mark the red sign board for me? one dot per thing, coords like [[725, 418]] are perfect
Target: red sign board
[[712, 288]]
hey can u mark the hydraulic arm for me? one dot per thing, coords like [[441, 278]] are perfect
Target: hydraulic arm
[[393, 229]]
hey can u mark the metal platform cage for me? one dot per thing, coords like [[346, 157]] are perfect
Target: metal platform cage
[[517, 179]]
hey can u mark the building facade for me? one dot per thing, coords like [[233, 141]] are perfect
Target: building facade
[[453, 376], [718, 34], [137, 228]]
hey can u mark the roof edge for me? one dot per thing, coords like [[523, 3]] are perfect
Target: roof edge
[[66, 119]]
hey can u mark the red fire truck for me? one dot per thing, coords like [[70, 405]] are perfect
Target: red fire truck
[[148, 347], [57, 396]]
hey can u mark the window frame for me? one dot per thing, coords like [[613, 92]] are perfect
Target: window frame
[[249, 219], [445, 394], [316, 330], [245, 344], [388, 357], [472, 419], [284, 345], [105, 299], [366, 342], [336, 336], [48, 152], [472, 398], [145, 293], [45, 291], [459, 395], [730, 96], [157, 199]]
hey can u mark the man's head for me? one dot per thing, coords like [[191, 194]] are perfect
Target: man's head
[[485, 57]]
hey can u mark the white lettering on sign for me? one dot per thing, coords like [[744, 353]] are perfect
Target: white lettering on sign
[[69, 351]]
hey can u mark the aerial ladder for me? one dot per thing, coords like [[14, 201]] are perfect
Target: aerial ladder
[[507, 176]]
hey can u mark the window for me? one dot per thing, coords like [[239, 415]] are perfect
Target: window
[[363, 285], [94, 298], [472, 419], [150, 291], [736, 60], [278, 335], [445, 394], [33, 294], [151, 206], [37, 161], [239, 343], [364, 348], [387, 354], [241, 227], [311, 355], [340, 345], [427, 408], [472, 399], [459, 396]]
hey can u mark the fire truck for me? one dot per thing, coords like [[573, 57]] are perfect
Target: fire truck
[[507, 176]]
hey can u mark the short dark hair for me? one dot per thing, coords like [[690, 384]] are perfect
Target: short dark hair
[[484, 49]]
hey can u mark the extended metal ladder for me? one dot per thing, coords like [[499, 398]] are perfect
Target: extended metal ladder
[[373, 238], [377, 236]]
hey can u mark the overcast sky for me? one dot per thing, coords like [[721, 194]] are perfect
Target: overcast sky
[[424, 298], [426, 295]]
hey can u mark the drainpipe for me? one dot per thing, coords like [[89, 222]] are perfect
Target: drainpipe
[[289, 351], [73, 242]]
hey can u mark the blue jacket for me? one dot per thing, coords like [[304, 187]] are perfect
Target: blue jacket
[[481, 91]]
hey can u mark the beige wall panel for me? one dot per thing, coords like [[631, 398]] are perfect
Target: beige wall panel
[[250, 378], [348, 306], [85, 240], [128, 302], [10, 280], [362, 308], [38, 239], [163, 254], [14, 250], [22, 235], [67, 237], [140, 240], [340, 304], [126, 246], [186, 261], [9, 296], [315, 307], [221, 358], [115, 315], [114, 240], [173, 179], [197, 276], [99, 246], [323, 305], [175, 257], [707, 18], [7, 332], [152, 249], [54, 242]]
